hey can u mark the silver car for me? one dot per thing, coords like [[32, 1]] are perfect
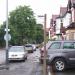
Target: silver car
[[17, 53], [61, 54]]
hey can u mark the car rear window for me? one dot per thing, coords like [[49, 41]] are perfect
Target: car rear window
[[28, 46], [16, 49], [68, 45]]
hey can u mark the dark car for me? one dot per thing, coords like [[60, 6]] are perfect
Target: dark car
[[29, 48], [61, 54], [34, 47]]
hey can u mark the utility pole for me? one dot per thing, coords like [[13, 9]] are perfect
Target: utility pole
[[7, 33], [45, 52]]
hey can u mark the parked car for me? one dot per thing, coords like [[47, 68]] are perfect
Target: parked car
[[29, 48], [17, 53], [61, 54], [34, 47]]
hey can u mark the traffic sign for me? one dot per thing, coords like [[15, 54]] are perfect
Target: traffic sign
[[9, 37]]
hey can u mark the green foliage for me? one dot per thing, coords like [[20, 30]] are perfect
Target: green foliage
[[39, 33], [22, 24], [23, 27], [2, 33]]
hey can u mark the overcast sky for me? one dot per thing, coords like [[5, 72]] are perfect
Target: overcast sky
[[39, 7]]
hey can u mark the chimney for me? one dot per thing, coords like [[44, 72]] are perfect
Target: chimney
[[73, 11], [69, 6]]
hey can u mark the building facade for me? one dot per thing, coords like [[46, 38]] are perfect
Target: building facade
[[63, 25]]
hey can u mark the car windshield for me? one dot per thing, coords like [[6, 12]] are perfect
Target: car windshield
[[16, 49]]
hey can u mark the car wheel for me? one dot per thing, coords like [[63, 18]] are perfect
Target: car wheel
[[59, 64], [23, 60], [32, 51], [26, 58]]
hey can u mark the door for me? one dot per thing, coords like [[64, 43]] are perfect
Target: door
[[69, 48]]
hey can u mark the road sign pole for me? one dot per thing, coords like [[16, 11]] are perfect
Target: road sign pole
[[7, 32]]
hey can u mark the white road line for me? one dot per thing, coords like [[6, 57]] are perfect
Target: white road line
[[49, 69]]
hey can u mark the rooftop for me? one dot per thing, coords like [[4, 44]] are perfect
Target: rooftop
[[72, 1], [63, 10], [54, 17], [71, 26]]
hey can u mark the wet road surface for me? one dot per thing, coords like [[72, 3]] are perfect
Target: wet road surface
[[29, 67], [70, 71]]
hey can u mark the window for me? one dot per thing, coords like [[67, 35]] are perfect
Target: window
[[16, 49], [68, 45], [74, 35], [74, 45], [55, 45]]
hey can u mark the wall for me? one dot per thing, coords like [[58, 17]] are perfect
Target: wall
[[70, 34]]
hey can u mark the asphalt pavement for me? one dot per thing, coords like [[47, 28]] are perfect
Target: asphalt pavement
[[22, 69], [30, 67]]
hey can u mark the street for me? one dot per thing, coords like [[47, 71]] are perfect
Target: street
[[37, 37], [66, 72], [2, 56], [30, 67]]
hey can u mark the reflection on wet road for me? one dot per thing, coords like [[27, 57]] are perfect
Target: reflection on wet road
[[70, 71]]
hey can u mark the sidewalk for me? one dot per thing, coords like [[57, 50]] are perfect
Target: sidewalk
[[2, 56], [3, 66]]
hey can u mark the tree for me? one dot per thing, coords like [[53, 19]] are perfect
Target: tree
[[39, 33], [2, 33], [22, 25]]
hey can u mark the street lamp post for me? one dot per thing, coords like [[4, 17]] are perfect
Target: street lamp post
[[44, 59]]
